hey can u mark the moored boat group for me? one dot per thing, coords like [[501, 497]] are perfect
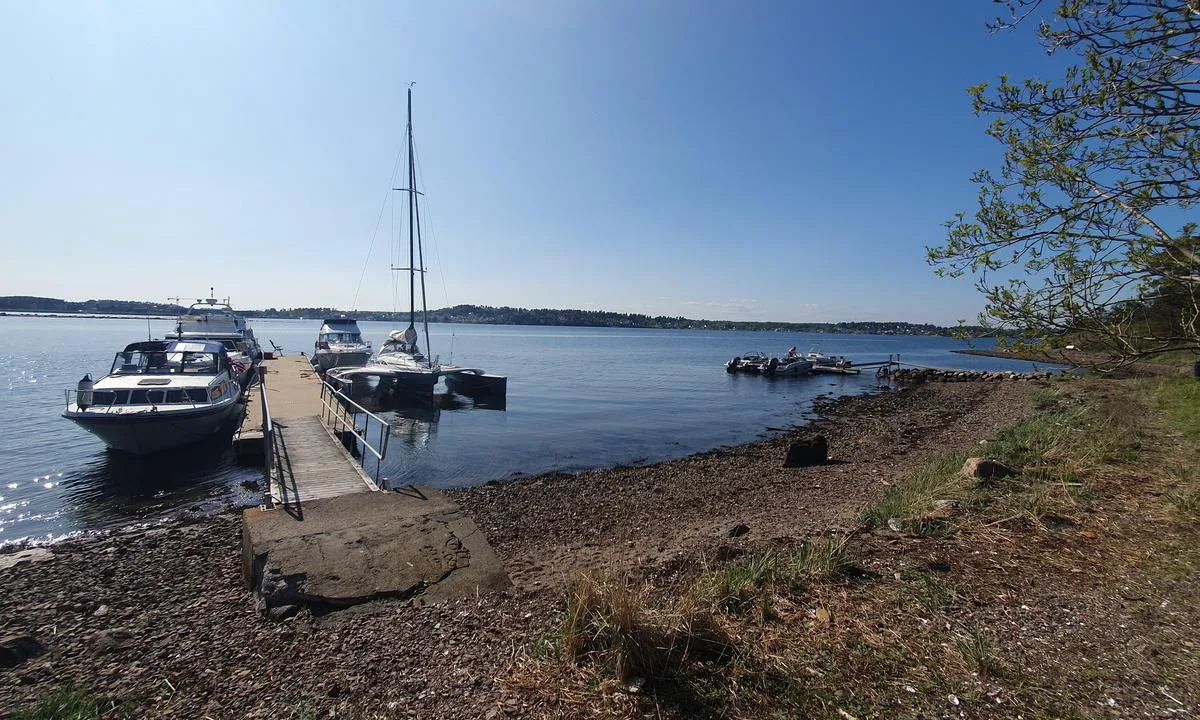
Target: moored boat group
[[792, 364], [162, 394]]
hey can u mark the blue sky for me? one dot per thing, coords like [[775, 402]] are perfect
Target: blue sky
[[773, 161]]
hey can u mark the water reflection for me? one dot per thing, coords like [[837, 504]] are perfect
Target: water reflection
[[115, 488]]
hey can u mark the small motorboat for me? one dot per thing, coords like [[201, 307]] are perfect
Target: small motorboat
[[792, 366], [751, 362], [829, 364], [340, 344], [473, 382], [160, 395]]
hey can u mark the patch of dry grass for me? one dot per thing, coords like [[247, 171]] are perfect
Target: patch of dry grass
[[1024, 609], [613, 626]]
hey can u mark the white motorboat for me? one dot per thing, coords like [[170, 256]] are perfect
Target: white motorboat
[[340, 344], [823, 363], [400, 362], [160, 395], [750, 362], [215, 320], [789, 366]]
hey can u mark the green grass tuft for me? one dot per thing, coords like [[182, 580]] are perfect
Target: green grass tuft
[[68, 703], [979, 654], [1044, 398], [913, 498], [1180, 399]]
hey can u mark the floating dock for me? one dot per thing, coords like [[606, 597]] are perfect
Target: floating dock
[[326, 535]]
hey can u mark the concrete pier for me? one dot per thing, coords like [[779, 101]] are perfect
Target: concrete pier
[[329, 537]]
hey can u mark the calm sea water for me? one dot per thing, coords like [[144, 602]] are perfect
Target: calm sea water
[[578, 398]]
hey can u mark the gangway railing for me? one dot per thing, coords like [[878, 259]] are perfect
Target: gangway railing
[[270, 449], [334, 409]]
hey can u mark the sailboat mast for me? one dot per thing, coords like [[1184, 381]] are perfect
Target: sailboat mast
[[412, 198]]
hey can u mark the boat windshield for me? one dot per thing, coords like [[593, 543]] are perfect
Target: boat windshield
[[342, 337], [392, 347], [157, 362]]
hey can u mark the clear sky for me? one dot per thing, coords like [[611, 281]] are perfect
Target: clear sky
[[756, 160]]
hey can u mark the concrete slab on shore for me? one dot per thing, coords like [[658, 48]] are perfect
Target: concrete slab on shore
[[347, 550]]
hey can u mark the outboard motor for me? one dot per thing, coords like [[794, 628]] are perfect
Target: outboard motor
[[771, 366], [83, 395]]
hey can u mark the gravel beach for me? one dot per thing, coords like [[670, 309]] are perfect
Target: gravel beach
[[159, 619]]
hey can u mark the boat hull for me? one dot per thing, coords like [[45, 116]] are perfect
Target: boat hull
[[385, 377], [793, 369], [327, 360], [143, 433], [465, 383]]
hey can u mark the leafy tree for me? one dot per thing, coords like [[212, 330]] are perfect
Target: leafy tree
[[1086, 232]]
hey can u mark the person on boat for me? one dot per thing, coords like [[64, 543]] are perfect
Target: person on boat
[[791, 353]]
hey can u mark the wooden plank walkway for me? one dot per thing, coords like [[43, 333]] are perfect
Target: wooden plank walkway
[[312, 464]]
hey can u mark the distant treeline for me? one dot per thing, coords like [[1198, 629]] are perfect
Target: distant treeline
[[487, 315], [24, 303]]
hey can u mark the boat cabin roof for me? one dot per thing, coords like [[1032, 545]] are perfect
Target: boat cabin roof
[[339, 325], [147, 346], [196, 346]]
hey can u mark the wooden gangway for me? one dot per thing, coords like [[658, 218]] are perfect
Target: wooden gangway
[[310, 464], [299, 422]]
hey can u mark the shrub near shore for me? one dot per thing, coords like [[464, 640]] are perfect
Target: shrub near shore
[[1064, 590]]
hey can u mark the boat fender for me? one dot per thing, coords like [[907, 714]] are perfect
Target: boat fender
[[83, 395]]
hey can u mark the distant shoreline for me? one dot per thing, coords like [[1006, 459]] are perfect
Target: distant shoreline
[[482, 315], [88, 316]]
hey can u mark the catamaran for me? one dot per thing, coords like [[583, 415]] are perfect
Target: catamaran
[[400, 362]]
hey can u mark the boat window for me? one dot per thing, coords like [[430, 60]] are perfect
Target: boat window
[[137, 362], [198, 363], [197, 395], [103, 397], [340, 337]]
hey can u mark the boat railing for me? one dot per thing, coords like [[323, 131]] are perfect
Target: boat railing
[[338, 412], [69, 393]]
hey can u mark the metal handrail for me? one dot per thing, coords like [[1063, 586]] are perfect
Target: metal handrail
[[67, 392], [268, 428], [340, 412]]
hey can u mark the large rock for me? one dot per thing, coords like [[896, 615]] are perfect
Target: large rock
[[986, 471], [18, 649], [24, 557], [809, 451]]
